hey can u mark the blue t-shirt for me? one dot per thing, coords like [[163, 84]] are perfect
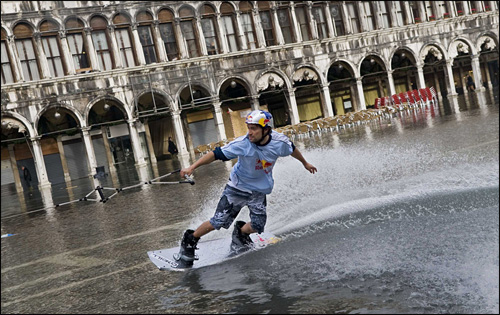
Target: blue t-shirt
[[253, 171]]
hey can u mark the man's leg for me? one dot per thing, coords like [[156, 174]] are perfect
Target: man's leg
[[203, 229]]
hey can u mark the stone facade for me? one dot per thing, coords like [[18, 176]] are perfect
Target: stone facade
[[123, 76]]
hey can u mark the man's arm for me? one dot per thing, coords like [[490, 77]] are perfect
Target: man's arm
[[296, 154], [206, 159]]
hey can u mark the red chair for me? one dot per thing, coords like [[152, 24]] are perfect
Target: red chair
[[396, 101], [423, 96], [429, 94], [403, 96], [434, 94], [378, 103], [417, 98]]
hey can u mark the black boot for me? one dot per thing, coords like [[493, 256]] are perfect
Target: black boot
[[186, 256], [241, 242]]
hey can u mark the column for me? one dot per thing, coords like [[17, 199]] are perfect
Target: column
[[68, 59], [201, 36], [293, 110], [16, 63], [422, 11], [114, 47], [152, 155], [107, 148], [408, 13], [15, 170], [465, 5], [91, 51], [392, 87], [136, 143], [181, 40], [329, 22], [64, 163], [137, 45], [452, 8], [219, 122], [420, 76], [162, 52], [346, 19], [276, 25], [42, 58], [361, 93], [438, 87], [476, 71], [179, 133], [461, 74], [92, 162], [255, 102], [259, 32], [295, 23], [239, 32], [326, 101], [41, 171], [449, 73], [314, 27], [488, 76]]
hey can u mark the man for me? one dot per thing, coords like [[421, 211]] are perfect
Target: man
[[249, 183], [26, 176], [172, 148]]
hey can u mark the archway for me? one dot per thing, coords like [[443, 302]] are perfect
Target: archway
[[307, 94], [235, 104], [341, 81], [375, 85], [403, 65]]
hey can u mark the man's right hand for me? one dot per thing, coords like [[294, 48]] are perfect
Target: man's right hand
[[187, 171]]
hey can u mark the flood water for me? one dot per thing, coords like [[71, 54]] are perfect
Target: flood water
[[402, 217]]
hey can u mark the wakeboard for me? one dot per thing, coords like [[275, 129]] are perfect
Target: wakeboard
[[209, 253]]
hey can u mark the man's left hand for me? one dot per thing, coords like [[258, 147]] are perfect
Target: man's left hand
[[310, 168]]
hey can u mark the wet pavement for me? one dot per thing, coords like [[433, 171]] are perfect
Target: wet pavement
[[402, 217]]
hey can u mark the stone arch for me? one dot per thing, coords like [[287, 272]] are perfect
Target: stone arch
[[122, 12], [153, 14], [79, 118], [200, 84], [352, 67], [435, 48], [263, 80], [375, 54], [126, 109], [29, 127], [483, 38], [93, 15], [85, 23], [300, 73], [170, 102], [399, 48], [24, 21], [457, 45], [248, 85], [52, 19]]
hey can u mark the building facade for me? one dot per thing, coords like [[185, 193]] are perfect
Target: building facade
[[106, 83]]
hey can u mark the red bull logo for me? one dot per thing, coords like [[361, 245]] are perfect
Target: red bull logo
[[262, 164]]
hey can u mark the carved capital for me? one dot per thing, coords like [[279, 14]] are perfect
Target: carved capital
[[62, 34]]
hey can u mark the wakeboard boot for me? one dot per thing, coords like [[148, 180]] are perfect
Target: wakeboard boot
[[186, 256], [240, 242]]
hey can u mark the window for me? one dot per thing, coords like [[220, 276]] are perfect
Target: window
[[247, 24], [400, 13], [302, 19], [100, 41], [385, 10], [229, 24], [285, 25], [50, 44], [6, 68], [77, 43], [146, 36], [167, 32], [429, 10], [338, 23], [187, 28], [319, 15], [208, 28], [475, 6], [26, 52], [123, 38], [352, 12], [267, 22], [369, 14], [416, 11]]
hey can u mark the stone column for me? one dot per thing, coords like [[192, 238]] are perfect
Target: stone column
[[361, 94], [346, 19], [162, 52], [420, 76], [136, 142], [255, 102], [137, 45], [465, 5], [239, 32], [329, 21], [392, 87], [294, 111], [152, 155], [461, 74], [64, 163], [68, 59], [295, 24], [451, 82], [326, 101], [89, 147], [488, 76], [179, 133], [219, 122], [408, 13], [201, 36], [180, 37], [114, 47], [15, 170], [94, 64], [107, 147], [277, 29], [422, 11], [476, 71], [259, 32], [16, 63], [42, 58], [41, 171], [313, 24]]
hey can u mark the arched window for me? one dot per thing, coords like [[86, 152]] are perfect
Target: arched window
[[303, 20], [353, 14], [229, 24], [319, 14], [7, 76], [51, 47], [145, 31], [26, 52], [167, 32], [123, 35], [338, 22], [267, 22], [100, 38], [77, 44], [208, 22], [285, 22], [247, 24], [188, 30]]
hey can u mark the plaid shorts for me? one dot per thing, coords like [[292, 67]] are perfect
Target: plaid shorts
[[232, 201]]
